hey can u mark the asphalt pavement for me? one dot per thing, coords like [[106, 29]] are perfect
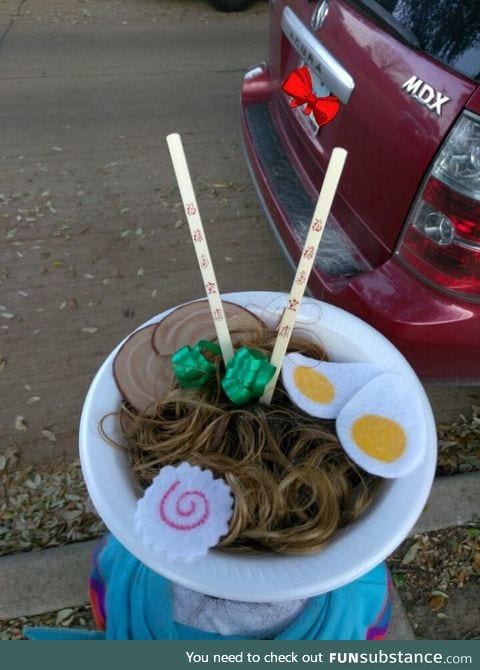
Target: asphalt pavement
[[93, 237], [94, 240]]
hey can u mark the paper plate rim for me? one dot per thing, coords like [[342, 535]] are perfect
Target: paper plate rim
[[265, 577]]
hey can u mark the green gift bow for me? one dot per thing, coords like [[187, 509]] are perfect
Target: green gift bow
[[246, 374], [191, 367]]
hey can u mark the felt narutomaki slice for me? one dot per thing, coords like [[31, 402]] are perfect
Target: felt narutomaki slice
[[184, 512], [322, 388], [382, 428]]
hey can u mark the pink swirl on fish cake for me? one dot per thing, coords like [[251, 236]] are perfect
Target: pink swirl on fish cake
[[201, 498]]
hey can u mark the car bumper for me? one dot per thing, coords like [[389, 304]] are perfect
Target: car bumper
[[438, 334]]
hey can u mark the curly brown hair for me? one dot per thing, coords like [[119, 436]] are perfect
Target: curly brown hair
[[294, 486]]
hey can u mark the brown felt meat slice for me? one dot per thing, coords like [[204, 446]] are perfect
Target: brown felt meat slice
[[193, 322], [142, 376], [142, 368]]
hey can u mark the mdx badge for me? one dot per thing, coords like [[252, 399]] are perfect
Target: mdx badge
[[425, 94]]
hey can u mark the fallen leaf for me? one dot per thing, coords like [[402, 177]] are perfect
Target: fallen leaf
[[67, 622], [461, 578], [33, 483], [398, 579], [49, 435], [411, 554], [62, 615], [20, 423], [437, 602]]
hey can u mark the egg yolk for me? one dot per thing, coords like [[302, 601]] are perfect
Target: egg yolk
[[314, 385], [379, 437]]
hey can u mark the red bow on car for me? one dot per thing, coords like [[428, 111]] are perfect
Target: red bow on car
[[298, 85]]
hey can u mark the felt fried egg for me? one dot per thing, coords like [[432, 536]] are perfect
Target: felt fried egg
[[322, 388], [382, 427]]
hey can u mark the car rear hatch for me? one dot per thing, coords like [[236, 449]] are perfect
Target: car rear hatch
[[398, 105]]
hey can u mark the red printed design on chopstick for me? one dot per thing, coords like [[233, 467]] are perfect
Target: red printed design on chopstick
[[210, 287]]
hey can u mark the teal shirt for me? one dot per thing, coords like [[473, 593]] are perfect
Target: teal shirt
[[137, 605]]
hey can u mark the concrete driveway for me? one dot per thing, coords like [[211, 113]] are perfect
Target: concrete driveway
[[93, 239]]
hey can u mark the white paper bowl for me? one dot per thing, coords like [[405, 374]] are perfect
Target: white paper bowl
[[261, 578]]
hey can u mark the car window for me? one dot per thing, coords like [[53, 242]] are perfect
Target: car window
[[448, 30]]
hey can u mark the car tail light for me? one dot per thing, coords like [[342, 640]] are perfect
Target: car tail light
[[441, 240]]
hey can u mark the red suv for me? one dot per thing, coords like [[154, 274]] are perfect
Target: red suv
[[402, 245]]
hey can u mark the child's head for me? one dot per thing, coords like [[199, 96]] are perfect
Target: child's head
[[292, 482]]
